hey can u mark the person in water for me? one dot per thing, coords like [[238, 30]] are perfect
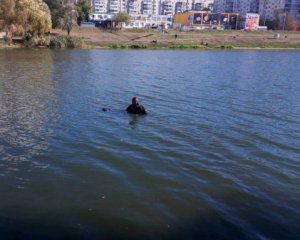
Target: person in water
[[135, 107]]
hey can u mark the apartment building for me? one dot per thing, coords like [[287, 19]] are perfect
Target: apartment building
[[167, 7], [293, 6], [268, 9], [149, 7], [239, 6], [115, 6], [100, 6], [133, 7]]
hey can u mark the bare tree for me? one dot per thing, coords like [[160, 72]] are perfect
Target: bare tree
[[69, 19], [122, 18]]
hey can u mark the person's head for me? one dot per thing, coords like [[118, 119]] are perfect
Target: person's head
[[135, 101]]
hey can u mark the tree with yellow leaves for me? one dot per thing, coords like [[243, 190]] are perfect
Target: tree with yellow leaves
[[27, 18], [9, 21], [34, 16]]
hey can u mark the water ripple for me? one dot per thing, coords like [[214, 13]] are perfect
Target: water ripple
[[217, 157]]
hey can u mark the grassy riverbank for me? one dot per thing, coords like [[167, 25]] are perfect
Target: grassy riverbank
[[153, 39]]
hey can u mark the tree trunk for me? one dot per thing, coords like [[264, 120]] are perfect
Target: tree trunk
[[8, 37]]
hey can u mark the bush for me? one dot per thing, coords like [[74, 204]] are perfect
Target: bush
[[225, 47], [70, 43], [2, 42], [57, 42], [65, 42], [135, 46], [37, 41], [114, 46], [187, 47]]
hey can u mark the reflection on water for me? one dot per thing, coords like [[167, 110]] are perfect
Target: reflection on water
[[134, 120], [25, 88], [217, 157]]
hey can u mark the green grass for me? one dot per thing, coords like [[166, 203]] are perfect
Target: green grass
[[187, 46], [185, 40], [166, 46], [196, 46], [268, 45], [2, 42]]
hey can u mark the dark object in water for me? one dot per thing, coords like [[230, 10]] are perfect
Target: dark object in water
[[105, 109], [135, 107], [138, 109]]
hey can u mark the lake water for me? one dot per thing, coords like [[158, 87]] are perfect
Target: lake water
[[217, 157]]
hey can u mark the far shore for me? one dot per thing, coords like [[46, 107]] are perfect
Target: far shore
[[94, 38]]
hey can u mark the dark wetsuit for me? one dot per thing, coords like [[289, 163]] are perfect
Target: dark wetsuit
[[136, 109]]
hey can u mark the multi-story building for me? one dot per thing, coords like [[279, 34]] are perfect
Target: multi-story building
[[156, 7], [167, 7], [239, 6], [293, 6], [149, 7], [149, 21], [268, 9], [199, 5], [115, 6], [133, 7], [99, 6], [180, 7]]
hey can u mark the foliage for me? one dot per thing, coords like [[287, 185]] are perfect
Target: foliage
[[135, 46], [37, 42], [27, 18], [291, 23], [56, 42], [187, 46], [34, 16], [270, 24], [116, 46], [122, 18], [56, 9], [65, 42], [9, 21], [69, 19], [84, 8]]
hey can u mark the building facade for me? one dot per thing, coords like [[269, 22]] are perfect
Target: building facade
[[99, 6], [198, 20], [150, 7], [268, 9], [293, 6], [240, 6]]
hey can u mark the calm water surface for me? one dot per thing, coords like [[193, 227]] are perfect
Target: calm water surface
[[218, 156]]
